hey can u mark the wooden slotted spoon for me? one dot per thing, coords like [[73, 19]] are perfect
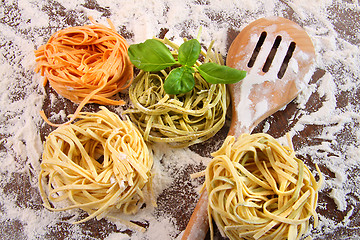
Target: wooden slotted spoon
[[278, 56]]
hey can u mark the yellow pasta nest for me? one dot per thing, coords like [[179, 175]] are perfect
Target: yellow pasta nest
[[183, 119], [98, 164], [258, 189]]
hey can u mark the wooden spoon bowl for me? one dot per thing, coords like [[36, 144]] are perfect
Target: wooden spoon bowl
[[278, 56]]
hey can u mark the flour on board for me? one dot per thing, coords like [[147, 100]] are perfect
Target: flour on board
[[25, 25]]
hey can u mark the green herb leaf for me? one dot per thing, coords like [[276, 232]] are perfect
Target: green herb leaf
[[189, 52], [151, 56], [180, 80], [215, 73]]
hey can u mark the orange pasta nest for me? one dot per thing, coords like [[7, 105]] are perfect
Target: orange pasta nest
[[86, 64]]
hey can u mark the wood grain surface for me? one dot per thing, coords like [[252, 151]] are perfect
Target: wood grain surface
[[176, 201]]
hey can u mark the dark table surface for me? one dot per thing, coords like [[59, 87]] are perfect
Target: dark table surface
[[324, 122]]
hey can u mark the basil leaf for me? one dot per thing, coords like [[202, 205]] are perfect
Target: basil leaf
[[152, 55], [179, 80], [189, 52], [215, 73]]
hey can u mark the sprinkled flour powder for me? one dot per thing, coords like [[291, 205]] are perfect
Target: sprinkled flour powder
[[324, 121]]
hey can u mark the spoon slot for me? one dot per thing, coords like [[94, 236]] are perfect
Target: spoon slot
[[271, 55], [287, 58], [257, 49]]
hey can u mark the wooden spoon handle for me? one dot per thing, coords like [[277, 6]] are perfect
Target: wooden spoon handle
[[198, 224]]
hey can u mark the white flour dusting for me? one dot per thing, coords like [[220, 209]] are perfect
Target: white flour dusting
[[334, 144]]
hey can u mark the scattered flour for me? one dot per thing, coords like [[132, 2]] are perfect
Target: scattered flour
[[25, 25]]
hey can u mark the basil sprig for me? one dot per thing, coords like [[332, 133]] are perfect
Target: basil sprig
[[180, 80], [153, 55]]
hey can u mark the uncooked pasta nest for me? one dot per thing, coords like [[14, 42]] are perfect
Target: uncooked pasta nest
[[86, 64], [183, 119], [258, 189], [98, 164]]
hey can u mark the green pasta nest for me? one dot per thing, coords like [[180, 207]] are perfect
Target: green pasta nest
[[183, 119]]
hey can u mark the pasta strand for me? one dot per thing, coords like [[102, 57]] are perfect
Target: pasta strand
[[258, 189], [85, 64], [73, 169], [183, 119]]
